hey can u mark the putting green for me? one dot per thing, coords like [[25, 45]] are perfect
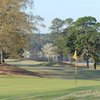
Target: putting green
[[12, 87]]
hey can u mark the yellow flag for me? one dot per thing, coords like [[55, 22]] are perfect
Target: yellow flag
[[75, 55]]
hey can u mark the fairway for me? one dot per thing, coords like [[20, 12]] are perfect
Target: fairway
[[32, 88]]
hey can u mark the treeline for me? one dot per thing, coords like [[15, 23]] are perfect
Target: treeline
[[82, 35], [65, 37], [17, 28]]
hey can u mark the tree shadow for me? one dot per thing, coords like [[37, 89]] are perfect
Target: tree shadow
[[6, 69]]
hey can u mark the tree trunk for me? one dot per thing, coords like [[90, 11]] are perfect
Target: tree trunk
[[64, 57], [0, 58], [87, 61], [57, 58], [3, 60], [70, 58], [49, 60], [94, 65]]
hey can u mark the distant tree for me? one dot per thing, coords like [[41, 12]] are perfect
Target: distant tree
[[68, 22], [56, 28], [59, 34], [57, 25], [49, 52]]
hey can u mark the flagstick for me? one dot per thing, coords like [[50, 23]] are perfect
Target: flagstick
[[75, 69], [75, 73]]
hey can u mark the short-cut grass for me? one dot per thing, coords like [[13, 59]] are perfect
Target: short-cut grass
[[33, 88]]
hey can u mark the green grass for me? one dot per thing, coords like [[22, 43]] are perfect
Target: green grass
[[60, 87], [32, 88]]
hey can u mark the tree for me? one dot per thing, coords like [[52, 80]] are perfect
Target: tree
[[56, 26], [87, 28], [84, 37], [59, 34], [94, 47], [68, 22], [82, 46], [15, 25], [49, 52], [67, 32], [56, 29]]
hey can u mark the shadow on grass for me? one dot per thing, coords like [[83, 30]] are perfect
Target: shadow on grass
[[6, 69], [58, 70], [89, 74]]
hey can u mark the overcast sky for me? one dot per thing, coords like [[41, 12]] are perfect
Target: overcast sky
[[50, 9]]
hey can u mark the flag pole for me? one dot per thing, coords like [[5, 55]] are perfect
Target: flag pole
[[75, 71], [75, 67]]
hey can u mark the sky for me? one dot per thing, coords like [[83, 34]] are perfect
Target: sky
[[51, 9]]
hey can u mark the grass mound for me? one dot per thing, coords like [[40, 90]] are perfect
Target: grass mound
[[6, 69]]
